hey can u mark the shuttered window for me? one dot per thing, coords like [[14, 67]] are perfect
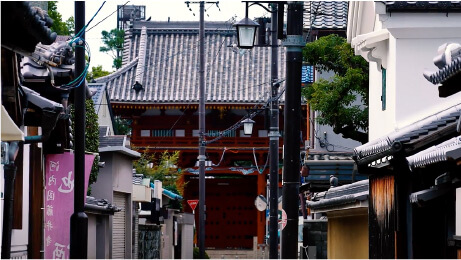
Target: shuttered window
[[119, 227]]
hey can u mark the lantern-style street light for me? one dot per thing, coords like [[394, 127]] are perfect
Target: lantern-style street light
[[248, 126], [246, 31]]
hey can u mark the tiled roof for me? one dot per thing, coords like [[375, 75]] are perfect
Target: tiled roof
[[97, 90], [446, 72], [103, 131], [100, 205], [346, 194], [25, 26], [448, 61], [423, 6], [112, 141], [411, 138], [170, 54], [325, 14], [448, 150]]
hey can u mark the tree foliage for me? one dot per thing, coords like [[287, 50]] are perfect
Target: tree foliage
[[122, 126], [96, 72], [336, 98], [113, 42], [91, 137], [164, 168], [59, 26]]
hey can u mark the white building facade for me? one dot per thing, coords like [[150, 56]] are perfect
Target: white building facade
[[400, 45]]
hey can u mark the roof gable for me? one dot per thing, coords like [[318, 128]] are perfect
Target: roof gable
[[170, 72]]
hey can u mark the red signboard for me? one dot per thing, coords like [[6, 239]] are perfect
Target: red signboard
[[192, 204]]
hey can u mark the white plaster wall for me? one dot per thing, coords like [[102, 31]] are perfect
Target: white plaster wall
[[104, 114], [412, 45], [123, 173], [416, 97], [458, 212], [381, 121]]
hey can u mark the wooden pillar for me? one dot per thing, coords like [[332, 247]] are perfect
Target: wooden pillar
[[382, 217], [36, 186]]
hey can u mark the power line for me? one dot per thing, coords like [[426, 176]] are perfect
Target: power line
[[108, 16]]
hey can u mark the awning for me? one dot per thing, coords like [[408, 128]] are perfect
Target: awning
[[10, 131]]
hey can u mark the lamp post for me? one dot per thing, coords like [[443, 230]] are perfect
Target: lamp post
[[274, 118], [246, 31], [79, 220], [202, 143], [248, 126]]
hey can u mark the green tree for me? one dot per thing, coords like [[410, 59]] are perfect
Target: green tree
[[164, 168], [113, 42], [59, 26], [335, 98], [122, 126], [96, 72], [91, 137]]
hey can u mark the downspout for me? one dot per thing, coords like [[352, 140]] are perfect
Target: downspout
[[10, 175]]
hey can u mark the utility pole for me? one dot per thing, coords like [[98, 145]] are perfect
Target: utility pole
[[202, 143], [291, 162], [79, 220], [274, 141]]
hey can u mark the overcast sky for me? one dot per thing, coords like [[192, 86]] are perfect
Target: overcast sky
[[158, 10]]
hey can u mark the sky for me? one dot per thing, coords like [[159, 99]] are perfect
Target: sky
[[158, 10]]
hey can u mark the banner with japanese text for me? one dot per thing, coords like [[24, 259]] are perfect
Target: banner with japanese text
[[59, 202]]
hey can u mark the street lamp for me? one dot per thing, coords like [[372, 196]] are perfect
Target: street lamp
[[274, 118], [248, 126], [246, 31]]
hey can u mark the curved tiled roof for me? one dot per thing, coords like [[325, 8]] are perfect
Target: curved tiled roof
[[423, 6], [170, 53], [325, 14]]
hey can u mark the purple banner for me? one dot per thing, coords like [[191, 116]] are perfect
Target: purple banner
[[59, 202]]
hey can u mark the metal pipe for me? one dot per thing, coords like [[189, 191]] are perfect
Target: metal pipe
[[79, 220], [202, 143], [291, 161], [274, 142]]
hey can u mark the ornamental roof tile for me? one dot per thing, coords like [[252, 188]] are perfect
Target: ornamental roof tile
[[170, 54], [411, 138]]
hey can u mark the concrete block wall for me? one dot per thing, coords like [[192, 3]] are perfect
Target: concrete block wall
[[315, 234]]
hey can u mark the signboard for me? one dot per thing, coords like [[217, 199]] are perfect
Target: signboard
[[59, 202], [307, 74], [282, 219], [192, 204]]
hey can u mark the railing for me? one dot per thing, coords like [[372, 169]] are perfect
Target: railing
[[192, 142]]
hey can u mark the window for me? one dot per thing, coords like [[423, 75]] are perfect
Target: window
[[196, 133], [383, 88], [262, 133], [145, 133], [162, 133], [242, 134], [180, 132], [215, 133]]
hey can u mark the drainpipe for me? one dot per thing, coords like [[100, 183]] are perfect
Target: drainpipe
[[10, 175]]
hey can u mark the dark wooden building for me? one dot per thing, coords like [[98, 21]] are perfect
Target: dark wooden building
[[415, 179]]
